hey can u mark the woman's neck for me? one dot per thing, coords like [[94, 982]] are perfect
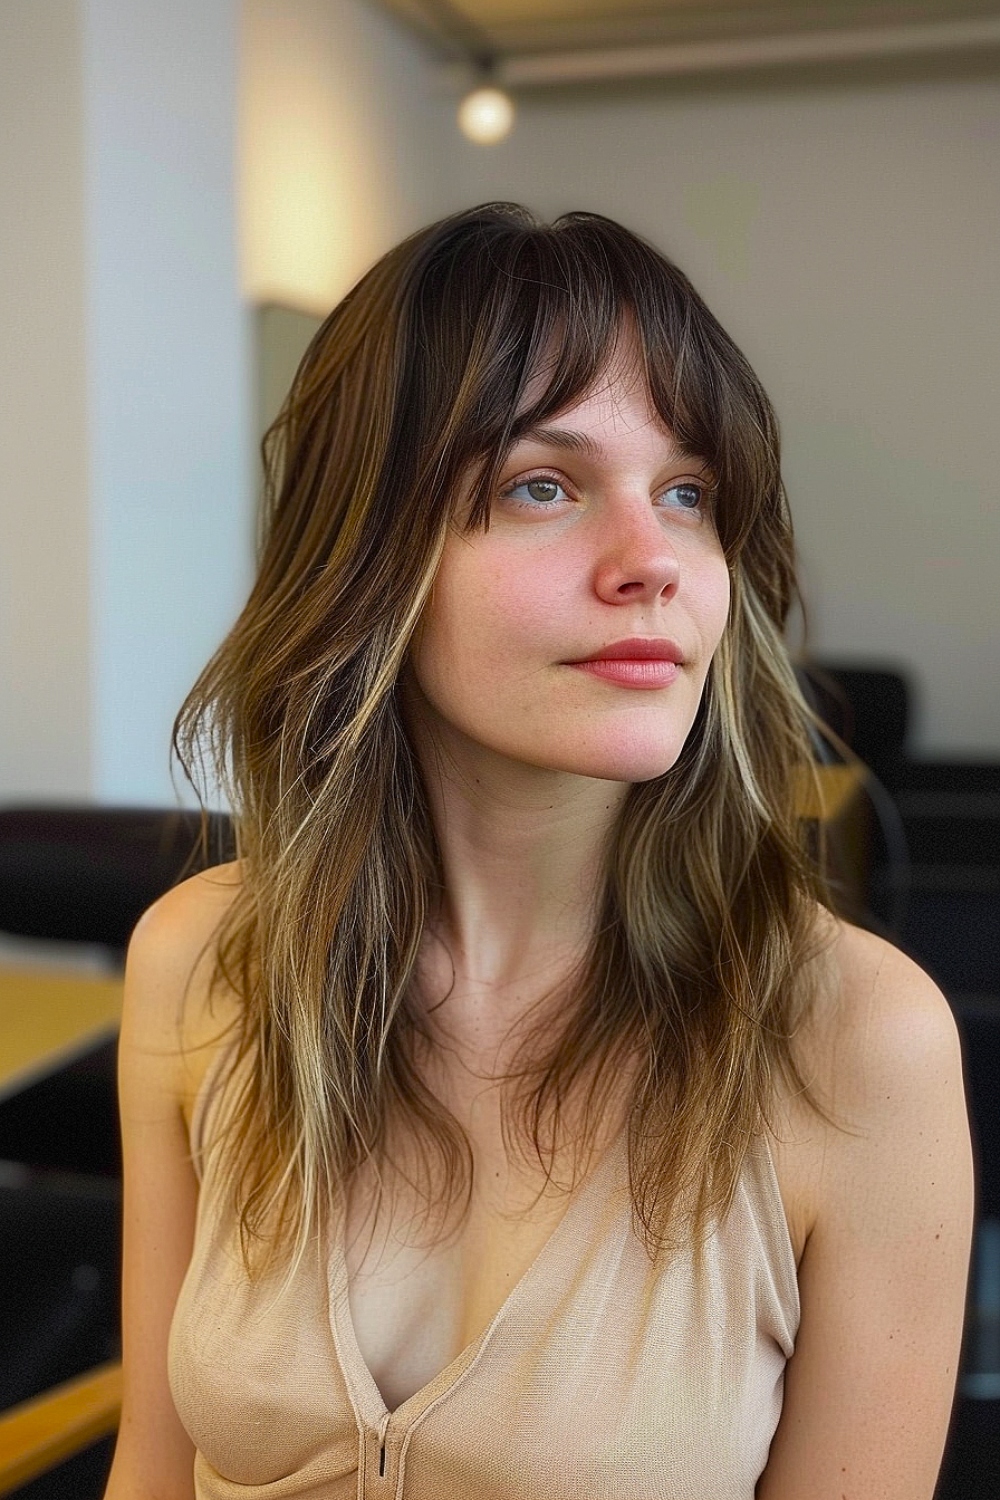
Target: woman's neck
[[523, 856]]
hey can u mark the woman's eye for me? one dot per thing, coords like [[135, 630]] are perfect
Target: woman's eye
[[691, 496], [542, 490]]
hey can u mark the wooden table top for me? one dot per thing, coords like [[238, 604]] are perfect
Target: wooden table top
[[48, 1018]]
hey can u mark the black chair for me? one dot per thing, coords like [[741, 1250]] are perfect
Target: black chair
[[73, 875], [86, 874], [868, 854]]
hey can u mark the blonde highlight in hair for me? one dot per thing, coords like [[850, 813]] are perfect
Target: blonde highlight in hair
[[699, 962]]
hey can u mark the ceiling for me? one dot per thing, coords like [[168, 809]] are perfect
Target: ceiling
[[506, 28]]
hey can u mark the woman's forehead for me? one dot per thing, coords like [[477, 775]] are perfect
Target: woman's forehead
[[621, 375]]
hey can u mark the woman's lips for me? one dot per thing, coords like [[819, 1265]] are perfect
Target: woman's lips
[[629, 672]]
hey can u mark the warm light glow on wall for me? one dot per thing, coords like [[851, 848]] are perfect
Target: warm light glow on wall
[[316, 198], [294, 249]]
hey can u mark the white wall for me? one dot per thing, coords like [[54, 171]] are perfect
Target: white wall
[[169, 396], [846, 235], [126, 419], [125, 497], [44, 542]]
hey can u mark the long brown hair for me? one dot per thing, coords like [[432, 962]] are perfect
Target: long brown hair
[[413, 388]]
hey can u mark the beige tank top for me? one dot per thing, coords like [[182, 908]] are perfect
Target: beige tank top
[[602, 1375]]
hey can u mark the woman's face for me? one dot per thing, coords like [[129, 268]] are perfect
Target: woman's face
[[600, 530]]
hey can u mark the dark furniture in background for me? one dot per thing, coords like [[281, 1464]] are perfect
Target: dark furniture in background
[[86, 874], [936, 846], [933, 830], [73, 875]]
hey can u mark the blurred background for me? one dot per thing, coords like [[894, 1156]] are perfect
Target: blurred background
[[189, 189]]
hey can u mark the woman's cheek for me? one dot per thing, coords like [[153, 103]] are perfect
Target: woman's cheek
[[509, 613]]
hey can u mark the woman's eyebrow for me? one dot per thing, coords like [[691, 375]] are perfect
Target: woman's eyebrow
[[582, 442], [563, 437]]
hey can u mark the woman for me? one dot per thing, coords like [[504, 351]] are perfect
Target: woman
[[534, 1127]]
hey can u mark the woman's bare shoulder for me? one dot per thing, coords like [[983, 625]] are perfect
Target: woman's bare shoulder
[[175, 1006], [874, 998], [183, 919], [870, 1008]]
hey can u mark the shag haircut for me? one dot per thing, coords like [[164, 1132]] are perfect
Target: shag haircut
[[406, 402]]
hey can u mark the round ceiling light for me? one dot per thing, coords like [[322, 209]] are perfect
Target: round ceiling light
[[486, 115]]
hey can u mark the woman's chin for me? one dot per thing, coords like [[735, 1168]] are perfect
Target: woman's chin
[[632, 770], [634, 762]]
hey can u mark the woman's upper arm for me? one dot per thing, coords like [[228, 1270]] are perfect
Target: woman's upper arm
[[870, 1386], [154, 1456]]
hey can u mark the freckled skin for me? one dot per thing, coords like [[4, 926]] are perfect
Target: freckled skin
[[619, 554]]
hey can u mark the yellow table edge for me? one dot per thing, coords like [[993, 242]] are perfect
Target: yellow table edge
[[49, 1018]]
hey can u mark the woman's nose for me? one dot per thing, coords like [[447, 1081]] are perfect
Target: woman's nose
[[636, 557]]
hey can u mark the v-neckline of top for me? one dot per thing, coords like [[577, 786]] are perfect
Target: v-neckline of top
[[367, 1399]]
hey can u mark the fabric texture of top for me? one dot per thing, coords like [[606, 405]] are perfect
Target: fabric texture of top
[[602, 1375]]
